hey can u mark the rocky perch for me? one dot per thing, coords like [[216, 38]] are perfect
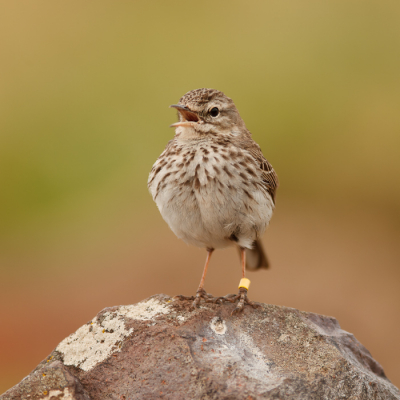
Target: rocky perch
[[159, 348]]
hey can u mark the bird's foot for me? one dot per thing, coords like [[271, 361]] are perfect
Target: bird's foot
[[200, 294], [242, 299]]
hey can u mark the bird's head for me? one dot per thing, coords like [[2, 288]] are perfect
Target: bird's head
[[207, 112]]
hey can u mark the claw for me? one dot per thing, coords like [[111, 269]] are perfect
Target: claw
[[231, 298], [200, 294], [243, 300]]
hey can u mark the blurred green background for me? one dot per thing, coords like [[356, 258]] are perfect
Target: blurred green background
[[84, 92]]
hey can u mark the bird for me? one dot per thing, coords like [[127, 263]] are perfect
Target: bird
[[213, 186]]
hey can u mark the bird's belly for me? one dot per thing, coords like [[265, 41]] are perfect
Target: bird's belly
[[184, 215], [215, 215]]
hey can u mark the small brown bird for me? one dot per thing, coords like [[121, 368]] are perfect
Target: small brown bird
[[213, 185]]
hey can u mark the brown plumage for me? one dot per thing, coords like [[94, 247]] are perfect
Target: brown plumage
[[213, 185]]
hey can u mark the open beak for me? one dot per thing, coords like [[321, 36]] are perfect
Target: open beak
[[188, 117]]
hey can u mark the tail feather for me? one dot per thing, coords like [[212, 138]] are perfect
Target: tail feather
[[256, 257]]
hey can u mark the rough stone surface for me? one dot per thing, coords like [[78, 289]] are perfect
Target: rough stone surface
[[159, 348]]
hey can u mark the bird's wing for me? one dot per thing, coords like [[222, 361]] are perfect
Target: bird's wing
[[269, 177]]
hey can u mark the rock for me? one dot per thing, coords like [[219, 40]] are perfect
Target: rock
[[159, 348]]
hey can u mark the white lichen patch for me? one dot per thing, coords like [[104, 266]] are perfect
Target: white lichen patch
[[218, 326], [145, 310], [55, 394], [97, 340]]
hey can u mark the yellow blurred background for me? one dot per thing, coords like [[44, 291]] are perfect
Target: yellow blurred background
[[84, 92]]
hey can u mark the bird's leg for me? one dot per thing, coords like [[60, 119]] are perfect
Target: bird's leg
[[201, 293], [233, 298], [243, 287]]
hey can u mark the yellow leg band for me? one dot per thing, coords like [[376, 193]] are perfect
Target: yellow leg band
[[244, 283]]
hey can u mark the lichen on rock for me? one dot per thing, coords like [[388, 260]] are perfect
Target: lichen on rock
[[160, 348], [101, 337]]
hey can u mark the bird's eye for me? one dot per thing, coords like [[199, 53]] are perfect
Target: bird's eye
[[214, 112]]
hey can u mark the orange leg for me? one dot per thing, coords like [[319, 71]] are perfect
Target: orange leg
[[241, 297], [203, 277], [201, 293], [243, 258]]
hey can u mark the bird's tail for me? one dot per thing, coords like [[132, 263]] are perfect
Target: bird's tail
[[256, 257]]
